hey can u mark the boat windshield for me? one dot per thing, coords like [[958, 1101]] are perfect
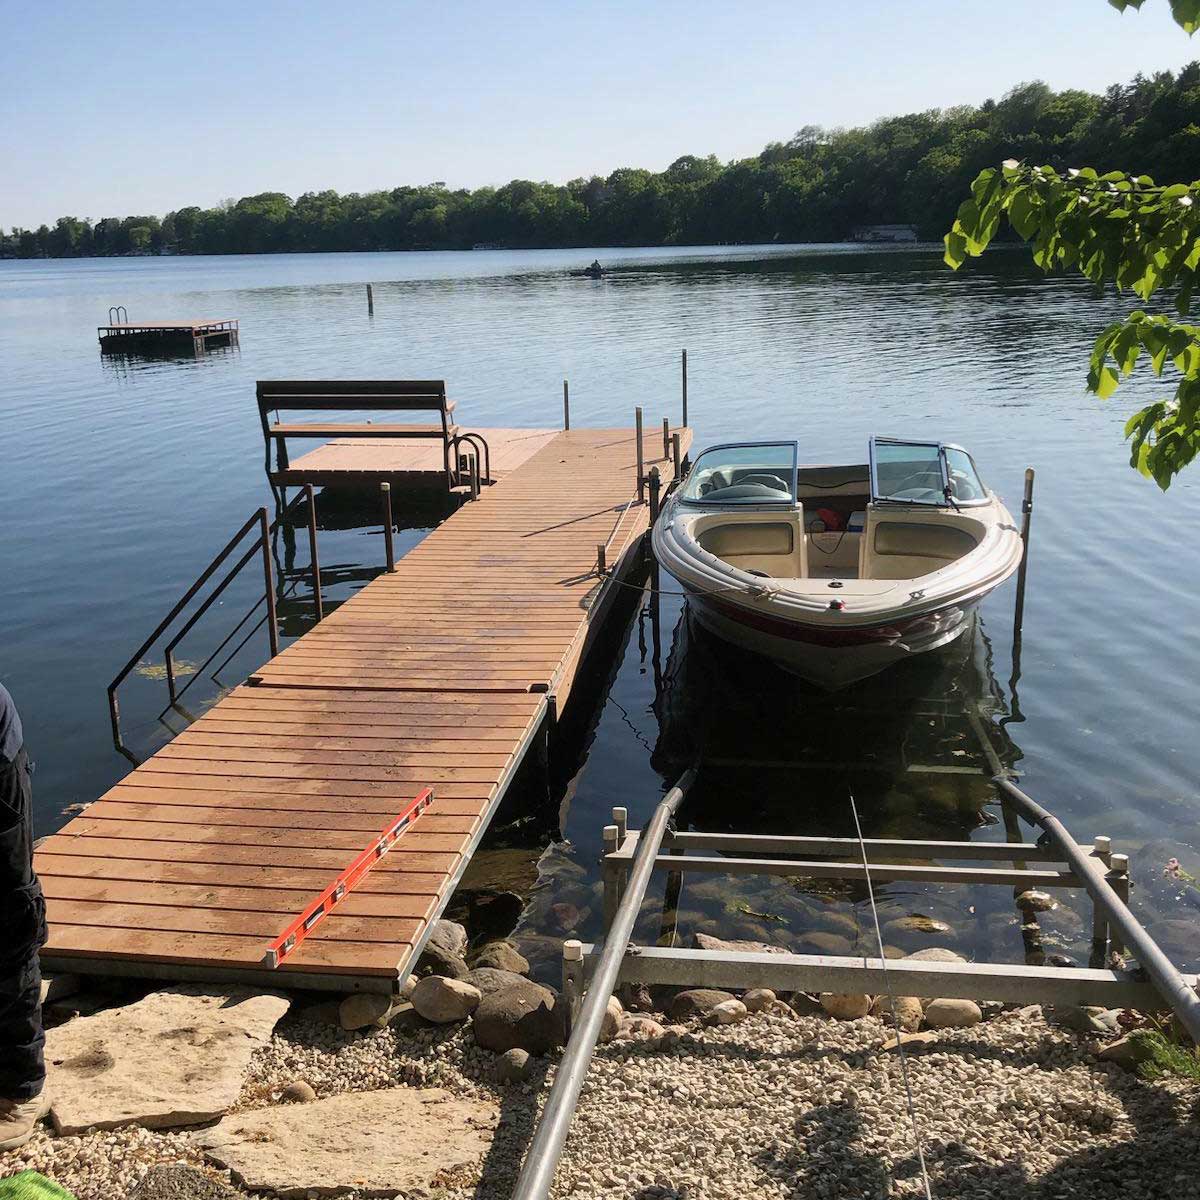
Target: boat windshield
[[745, 473], [923, 473]]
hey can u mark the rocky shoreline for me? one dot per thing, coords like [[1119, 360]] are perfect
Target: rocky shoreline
[[706, 1096]]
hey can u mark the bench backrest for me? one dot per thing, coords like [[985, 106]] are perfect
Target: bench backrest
[[372, 395]]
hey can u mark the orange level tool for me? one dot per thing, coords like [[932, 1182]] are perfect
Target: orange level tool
[[337, 891]]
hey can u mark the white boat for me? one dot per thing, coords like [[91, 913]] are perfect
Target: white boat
[[836, 571]]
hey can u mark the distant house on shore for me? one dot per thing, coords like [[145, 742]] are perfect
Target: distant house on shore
[[884, 233]]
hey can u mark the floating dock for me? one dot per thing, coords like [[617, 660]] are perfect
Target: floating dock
[[443, 673], [166, 337]]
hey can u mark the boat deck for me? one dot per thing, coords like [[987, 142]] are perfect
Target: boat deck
[[439, 674]]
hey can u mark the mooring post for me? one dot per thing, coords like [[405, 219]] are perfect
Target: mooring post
[[676, 460], [1026, 519], [601, 559], [370, 301], [641, 458], [312, 550], [620, 818], [572, 979], [684, 380], [610, 876], [666, 437], [1118, 878], [655, 493], [1102, 851], [268, 579], [388, 548], [566, 405]]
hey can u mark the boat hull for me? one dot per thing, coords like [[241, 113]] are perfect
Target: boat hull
[[831, 658]]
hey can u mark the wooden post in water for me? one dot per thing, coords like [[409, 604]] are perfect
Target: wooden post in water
[[370, 301], [566, 405]]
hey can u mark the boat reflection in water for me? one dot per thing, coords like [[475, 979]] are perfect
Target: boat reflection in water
[[916, 747]]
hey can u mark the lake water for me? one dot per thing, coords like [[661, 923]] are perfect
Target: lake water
[[120, 478]]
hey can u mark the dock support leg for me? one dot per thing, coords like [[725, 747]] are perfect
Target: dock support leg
[[388, 546], [1118, 878], [641, 458], [312, 551], [572, 980], [611, 877], [1102, 851]]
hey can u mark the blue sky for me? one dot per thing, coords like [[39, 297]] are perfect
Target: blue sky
[[118, 108]]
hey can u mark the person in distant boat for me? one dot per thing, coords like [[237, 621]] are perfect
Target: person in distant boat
[[596, 268], [23, 1100]]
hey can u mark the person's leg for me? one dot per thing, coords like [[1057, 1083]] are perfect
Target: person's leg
[[23, 920]]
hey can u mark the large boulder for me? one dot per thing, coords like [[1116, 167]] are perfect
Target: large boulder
[[449, 936], [952, 1014], [908, 1012], [444, 1000], [393, 1141], [364, 1010], [176, 1057], [524, 1016], [490, 979], [845, 1006], [502, 956], [436, 959], [696, 1003]]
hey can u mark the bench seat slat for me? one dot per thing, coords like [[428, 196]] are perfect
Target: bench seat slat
[[357, 429]]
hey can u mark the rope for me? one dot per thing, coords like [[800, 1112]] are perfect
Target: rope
[[912, 1113]]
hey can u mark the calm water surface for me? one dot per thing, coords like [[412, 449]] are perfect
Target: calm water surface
[[120, 478]]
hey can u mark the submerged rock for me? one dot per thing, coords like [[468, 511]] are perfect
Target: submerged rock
[[503, 956]]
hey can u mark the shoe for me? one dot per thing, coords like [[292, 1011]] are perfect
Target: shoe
[[19, 1117]]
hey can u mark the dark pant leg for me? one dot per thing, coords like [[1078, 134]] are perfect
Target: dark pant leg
[[22, 933]]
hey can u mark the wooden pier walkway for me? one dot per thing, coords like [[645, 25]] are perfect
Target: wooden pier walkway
[[440, 674]]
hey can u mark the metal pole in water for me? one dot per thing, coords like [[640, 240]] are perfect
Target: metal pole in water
[[566, 405], [641, 460], [388, 547], [666, 437], [312, 551], [1026, 520], [675, 455], [684, 378], [370, 301]]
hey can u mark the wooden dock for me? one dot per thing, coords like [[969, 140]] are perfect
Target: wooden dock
[[166, 337], [443, 673], [360, 460]]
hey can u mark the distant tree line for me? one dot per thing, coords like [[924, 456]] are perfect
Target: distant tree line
[[817, 186]]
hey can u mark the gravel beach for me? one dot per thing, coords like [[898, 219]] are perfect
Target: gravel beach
[[774, 1105]]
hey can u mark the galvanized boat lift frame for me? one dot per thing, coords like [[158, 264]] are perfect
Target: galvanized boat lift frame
[[591, 974]]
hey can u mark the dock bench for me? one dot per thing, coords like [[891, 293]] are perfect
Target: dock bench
[[344, 395]]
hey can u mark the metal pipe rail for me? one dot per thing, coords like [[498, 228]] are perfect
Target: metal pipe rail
[[541, 1160], [1171, 986]]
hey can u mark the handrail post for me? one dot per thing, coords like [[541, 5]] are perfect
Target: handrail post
[[268, 580], [566, 405], [641, 459], [312, 550], [388, 546]]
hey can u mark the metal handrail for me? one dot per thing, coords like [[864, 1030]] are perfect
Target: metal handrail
[[541, 1161], [262, 543], [1170, 984]]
